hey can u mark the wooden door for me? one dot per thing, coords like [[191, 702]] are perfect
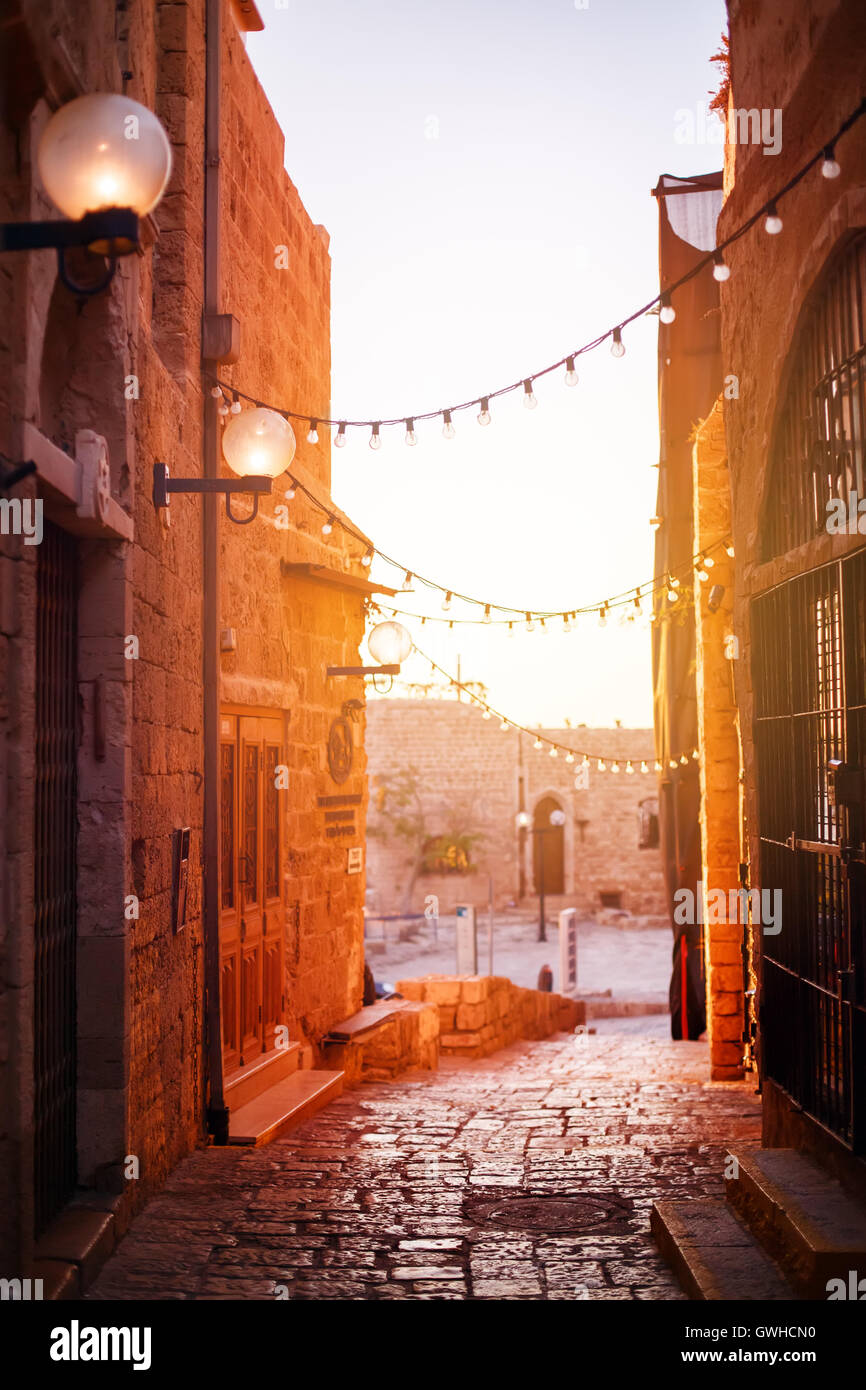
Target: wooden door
[[252, 918]]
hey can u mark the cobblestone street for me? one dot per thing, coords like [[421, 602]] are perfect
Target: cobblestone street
[[378, 1196]]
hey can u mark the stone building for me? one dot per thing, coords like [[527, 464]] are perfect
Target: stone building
[[107, 768], [779, 660], [447, 785]]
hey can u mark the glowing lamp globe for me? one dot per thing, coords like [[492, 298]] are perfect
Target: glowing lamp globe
[[389, 644], [258, 444], [104, 151], [522, 820]]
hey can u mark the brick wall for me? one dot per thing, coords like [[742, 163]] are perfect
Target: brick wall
[[474, 778]]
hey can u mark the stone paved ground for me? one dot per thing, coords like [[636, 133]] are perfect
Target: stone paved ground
[[368, 1200]]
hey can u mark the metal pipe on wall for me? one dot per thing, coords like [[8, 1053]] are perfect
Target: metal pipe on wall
[[217, 1111]]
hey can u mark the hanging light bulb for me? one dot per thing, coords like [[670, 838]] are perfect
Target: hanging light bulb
[[236, 404], [656, 522], [411, 438], [313, 436], [328, 526], [505, 726], [695, 755], [407, 582], [602, 765], [673, 764], [617, 347], [629, 767], [602, 616], [340, 441], [729, 549], [569, 757], [554, 752], [684, 762], [529, 398], [830, 168], [566, 625], [368, 558], [773, 223], [643, 766], [222, 408], [614, 767], [543, 626], [708, 562], [486, 618], [484, 413], [291, 491], [721, 271], [570, 373], [486, 714], [216, 392], [530, 625], [638, 606], [510, 629], [375, 437], [446, 602], [585, 760], [538, 743], [447, 427], [667, 312], [701, 572], [658, 765], [672, 594]]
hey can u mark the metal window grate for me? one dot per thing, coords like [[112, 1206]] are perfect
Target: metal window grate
[[810, 703], [54, 887], [819, 446]]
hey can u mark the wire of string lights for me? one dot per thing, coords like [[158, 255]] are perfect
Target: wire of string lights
[[826, 157], [555, 748]]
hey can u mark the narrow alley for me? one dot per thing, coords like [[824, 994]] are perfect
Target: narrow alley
[[526, 1175]]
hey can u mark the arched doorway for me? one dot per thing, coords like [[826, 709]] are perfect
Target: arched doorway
[[548, 848]]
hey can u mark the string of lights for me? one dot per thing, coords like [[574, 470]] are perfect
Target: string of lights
[[769, 211], [555, 748], [635, 597]]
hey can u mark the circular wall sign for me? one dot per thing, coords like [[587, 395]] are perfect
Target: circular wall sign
[[340, 750]]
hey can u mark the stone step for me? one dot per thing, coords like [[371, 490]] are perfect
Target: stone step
[[245, 1083], [801, 1215], [713, 1254], [287, 1104]]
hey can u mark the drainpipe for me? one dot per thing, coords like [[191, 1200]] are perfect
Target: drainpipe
[[217, 1112]]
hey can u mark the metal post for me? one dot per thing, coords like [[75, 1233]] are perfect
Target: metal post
[[217, 1111]]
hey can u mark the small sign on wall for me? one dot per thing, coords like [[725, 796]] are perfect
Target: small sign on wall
[[354, 860], [467, 940]]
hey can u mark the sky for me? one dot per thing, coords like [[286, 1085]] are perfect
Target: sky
[[484, 171]]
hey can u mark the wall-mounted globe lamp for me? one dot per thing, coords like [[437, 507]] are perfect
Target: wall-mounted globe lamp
[[389, 644], [104, 160], [258, 445]]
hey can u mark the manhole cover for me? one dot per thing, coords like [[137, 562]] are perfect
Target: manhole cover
[[550, 1213]]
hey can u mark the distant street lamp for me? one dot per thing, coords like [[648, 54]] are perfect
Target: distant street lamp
[[524, 822], [104, 161], [389, 645]]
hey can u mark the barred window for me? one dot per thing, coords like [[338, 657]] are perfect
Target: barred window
[[818, 451]]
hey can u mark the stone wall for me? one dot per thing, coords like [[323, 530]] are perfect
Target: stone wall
[[471, 777], [479, 1014], [125, 365], [763, 304]]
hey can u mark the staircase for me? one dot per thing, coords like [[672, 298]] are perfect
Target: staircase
[[786, 1228], [274, 1095]]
